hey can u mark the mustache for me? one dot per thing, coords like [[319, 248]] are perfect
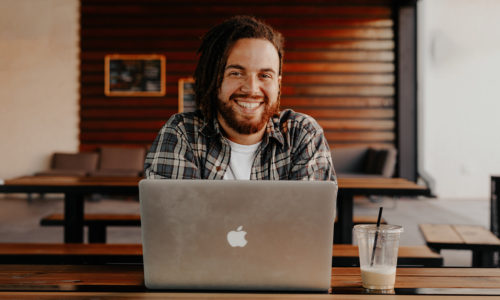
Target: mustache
[[248, 96]]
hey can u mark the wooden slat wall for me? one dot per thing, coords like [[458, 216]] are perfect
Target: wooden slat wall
[[339, 63]]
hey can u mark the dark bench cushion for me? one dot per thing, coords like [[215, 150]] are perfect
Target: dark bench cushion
[[120, 161], [364, 161], [380, 161], [72, 164]]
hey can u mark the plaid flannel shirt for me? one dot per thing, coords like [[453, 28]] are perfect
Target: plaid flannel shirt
[[293, 148]]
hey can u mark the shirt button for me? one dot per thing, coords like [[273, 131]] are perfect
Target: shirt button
[[218, 168]]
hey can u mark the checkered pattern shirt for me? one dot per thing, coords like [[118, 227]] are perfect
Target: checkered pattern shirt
[[293, 148]]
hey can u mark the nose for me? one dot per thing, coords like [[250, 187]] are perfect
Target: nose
[[251, 85]]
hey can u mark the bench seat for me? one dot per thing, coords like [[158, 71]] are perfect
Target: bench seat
[[31, 253], [97, 223]]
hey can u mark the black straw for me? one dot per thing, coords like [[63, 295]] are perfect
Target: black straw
[[376, 234]]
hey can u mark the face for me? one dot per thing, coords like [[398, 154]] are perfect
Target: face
[[249, 93]]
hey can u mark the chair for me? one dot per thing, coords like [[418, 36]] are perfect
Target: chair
[[71, 164], [364, 161], [120, 162]]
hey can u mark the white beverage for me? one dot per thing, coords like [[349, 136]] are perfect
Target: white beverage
[[378, 277]]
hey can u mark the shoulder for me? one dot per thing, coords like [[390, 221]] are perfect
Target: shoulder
[[298, 122], [187, 124], [189, 119]]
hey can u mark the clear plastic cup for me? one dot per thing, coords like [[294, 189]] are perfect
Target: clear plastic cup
[[378, 270]]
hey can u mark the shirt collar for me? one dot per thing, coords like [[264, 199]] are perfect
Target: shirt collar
[[210, 128], [273, 131]]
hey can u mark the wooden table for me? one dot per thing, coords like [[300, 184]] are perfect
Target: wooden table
[[198, 296], [369, 186], [343, 255], [482, 242], [30, 280], [75, 188]]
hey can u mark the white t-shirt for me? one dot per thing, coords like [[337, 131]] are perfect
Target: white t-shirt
[[240, 164]]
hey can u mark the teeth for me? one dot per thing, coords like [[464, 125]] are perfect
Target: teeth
[[248, 104]]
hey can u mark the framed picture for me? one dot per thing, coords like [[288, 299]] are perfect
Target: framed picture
[[186, 95], [134, 75]]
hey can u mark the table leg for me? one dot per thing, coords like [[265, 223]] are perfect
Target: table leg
[[495, 213], [73, 218], [482, 258], [343, 230], [494, 206]]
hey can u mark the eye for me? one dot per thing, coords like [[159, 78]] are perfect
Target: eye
[[266, 75], [234, 73]]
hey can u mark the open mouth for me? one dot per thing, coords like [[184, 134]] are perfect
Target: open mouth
[[248, 105]]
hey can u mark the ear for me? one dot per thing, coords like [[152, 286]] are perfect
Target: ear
[[279, 81]]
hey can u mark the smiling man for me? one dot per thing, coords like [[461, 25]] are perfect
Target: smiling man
[[238, 131]]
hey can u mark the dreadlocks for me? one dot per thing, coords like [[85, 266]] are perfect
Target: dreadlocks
[[214, 51]]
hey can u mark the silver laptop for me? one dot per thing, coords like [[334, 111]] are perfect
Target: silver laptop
[[237, 235]]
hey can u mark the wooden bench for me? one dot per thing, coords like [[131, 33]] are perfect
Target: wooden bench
[[24, 253], [366, 220], [345, 255], [355, 221], [478, 239], [97, 223]]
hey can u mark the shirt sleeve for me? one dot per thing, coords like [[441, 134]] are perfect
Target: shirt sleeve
[[171, 156], [312, 158]]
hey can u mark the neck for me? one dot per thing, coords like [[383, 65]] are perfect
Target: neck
[[239, 138]]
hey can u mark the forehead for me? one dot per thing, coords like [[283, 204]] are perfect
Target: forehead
[[254, 53]]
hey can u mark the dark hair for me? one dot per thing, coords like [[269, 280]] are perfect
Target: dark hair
[[214, 52]]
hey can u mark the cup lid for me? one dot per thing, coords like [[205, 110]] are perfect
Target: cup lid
[[371, 228]]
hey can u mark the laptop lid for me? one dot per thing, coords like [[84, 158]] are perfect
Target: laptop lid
[[237, 235]]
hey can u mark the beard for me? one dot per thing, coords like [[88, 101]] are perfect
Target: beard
[[245, 124]]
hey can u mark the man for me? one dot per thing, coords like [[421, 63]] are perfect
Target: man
[[238, 131]]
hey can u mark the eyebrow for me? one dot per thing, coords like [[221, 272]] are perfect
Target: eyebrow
[[239, 67]]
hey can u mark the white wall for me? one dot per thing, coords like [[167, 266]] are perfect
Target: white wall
[[459, 95], [38, 83]]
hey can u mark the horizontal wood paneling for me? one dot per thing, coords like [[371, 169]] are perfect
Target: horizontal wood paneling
[[339, 63], [209, 9], [148, 125], [207, 21], [323, 67], [290, 79], [192, 44], [359, 102], [288, 90], [153, 32], [253, 2]]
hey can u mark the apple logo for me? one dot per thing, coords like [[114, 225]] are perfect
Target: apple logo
[[237, 238]]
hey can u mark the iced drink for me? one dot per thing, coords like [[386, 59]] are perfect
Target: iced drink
[[378, 277], [378, 260]]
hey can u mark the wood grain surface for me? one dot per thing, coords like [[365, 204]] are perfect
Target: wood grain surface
[[70, 277], [197, 296], [339, 63]]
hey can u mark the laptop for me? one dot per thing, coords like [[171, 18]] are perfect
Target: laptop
[[232, 235]]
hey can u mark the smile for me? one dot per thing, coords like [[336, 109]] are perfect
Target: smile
[[249, 105]]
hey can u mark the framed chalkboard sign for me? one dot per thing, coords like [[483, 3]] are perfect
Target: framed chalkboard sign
[[134, 75], [186, 95]]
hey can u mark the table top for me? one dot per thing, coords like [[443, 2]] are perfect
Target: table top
[[65, 184], [129, 278], [344, 183], [339, 250], [379, 185], [72, 181], [196, 296]]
